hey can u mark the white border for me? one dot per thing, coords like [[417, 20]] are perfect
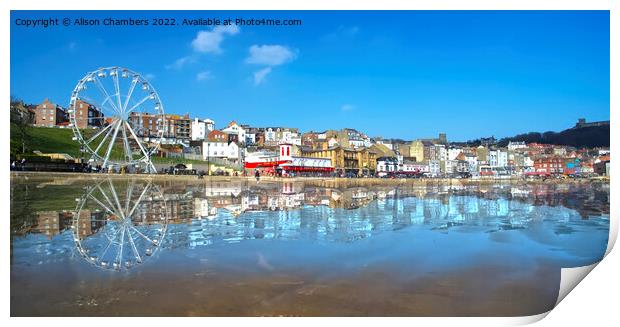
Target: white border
[[595, 301]]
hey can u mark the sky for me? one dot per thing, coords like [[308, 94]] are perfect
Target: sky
[[391, 74]]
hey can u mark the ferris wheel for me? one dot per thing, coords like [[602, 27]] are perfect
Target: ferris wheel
[[116, 227], [117, 117]]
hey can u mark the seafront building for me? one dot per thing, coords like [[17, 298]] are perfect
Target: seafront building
[[345, 152]]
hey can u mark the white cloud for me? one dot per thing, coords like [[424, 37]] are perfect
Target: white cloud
[[270, 55], [181, 62], [347, 107], [72, 45], [204, 75], [209, 41], [259, 76], [149, 76]]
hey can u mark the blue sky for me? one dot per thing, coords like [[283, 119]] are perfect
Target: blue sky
[[391, 74]]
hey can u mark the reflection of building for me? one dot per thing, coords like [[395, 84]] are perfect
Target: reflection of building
[[180, 207], [202, 209], [90, 222], [48, 223]]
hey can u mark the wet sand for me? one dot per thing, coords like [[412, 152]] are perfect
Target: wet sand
[[479, 291], [385, 259]]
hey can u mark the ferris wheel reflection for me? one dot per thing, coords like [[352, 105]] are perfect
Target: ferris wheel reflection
[[118, 225]]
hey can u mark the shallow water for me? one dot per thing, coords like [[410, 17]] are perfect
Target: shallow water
[[138, 247]]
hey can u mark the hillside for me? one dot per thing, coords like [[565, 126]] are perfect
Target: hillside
[[46, 140], [59, 140], [589, 137]]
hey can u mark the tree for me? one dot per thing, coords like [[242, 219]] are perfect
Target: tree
[[20, 122]]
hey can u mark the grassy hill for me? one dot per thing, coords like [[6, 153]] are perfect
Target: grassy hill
[[59, 140], [46, 140]]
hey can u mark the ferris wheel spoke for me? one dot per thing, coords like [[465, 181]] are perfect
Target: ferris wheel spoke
[[131, 88], [119, 256], [129, 194], [133, 246], [118, 91], [105, 196], [118, 203], [138, 104], [103, 90], [97, 103], [111, 145], [142, 235], [103, 206], [137, 140], [98, 133], [96, 152], [106, 250], [137, 202], [126, 147]]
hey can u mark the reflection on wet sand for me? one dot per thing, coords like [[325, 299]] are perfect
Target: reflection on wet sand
[[298, 248], [119, 228]]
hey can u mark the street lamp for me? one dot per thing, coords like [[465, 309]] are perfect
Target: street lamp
[[208, 158]]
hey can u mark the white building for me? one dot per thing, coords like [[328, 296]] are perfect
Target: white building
[[450, 166], [472, 162], [453, 153], [270, 135], [516, 145], [234, 128], [434, 168], [442, 153], [528, 162], [387, 165], [498, 158], [201, 128], [416, 167], [289, 137], [221, 149]]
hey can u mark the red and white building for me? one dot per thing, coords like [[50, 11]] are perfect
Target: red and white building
[[549, 165], [284, 162]]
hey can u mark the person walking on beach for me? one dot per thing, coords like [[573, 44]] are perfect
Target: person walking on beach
[[257, 175]]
